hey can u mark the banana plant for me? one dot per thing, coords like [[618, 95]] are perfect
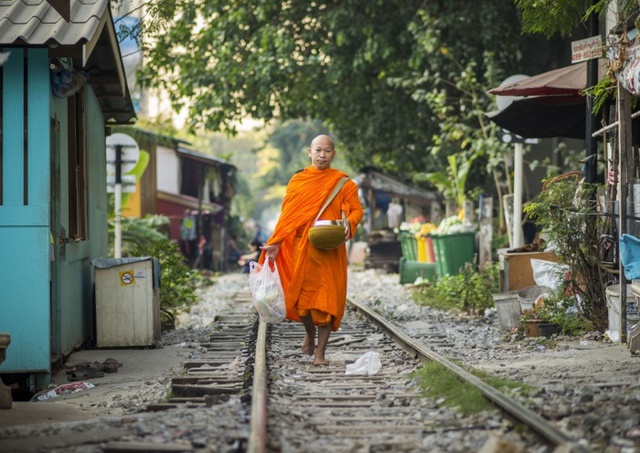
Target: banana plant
[[451, 182]]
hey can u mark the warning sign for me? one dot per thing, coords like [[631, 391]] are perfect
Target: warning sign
[[127, 278]]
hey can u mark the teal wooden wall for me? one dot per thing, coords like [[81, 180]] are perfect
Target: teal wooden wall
[[73, 319], [24, 223], [45, 317]]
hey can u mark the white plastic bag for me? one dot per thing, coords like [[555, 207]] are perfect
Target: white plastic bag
[[548, 273], [266, 291], [367, 364]]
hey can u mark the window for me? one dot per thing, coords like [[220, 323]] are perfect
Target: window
[[77, 167]]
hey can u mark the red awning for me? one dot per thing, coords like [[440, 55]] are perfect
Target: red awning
[[568, 80]]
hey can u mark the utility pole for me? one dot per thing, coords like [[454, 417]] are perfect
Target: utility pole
[[591, 143]]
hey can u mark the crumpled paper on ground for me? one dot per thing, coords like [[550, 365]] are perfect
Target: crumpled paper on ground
[[63, 390], [367, 364]]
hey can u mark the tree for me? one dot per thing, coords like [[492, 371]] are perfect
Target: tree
[[378, 73], [562, 16]]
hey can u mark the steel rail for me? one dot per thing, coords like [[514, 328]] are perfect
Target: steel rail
[[519, 412], [258, 433]]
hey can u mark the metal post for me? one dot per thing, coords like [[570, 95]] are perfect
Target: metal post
[[626, 162], [591, 144], [118, 203], [486, 230], [517, 195]]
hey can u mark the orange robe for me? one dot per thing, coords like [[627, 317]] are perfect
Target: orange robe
[[314, 280]]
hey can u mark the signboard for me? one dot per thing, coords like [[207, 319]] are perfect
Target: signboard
[[586, 49], [129, 149], [129, 155]]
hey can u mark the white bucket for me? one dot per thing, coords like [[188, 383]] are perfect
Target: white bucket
[[528, 296], [613, 306], [635, 192], [508, 308]]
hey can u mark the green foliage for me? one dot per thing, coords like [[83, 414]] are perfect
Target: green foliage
[[566, 213], [430, 295], [559, 308], [178, 281], [602, 92], [502, 385], [551, 16], [472, 290], [452, 183], [146, 237], [292, 139], [372, 73], [436, 381], [562, 16], [138, 232]]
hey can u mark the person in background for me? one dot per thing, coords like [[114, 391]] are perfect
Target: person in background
[[260, 235], [394, 214], [254, 252], [314, 280], [233, 252]]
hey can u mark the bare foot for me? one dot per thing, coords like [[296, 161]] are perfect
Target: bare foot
[[323, 339], [309, 345]]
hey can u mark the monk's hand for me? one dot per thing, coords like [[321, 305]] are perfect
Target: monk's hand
[[271, 251], [347, 230]]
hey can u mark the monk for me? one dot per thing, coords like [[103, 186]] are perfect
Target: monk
[[314, 280]]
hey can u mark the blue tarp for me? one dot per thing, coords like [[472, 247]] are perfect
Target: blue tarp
[[630, 256]]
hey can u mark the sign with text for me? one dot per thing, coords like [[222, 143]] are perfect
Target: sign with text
[[586, 49]]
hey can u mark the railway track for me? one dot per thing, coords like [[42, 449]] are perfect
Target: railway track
[[247, 386], [293, 406]]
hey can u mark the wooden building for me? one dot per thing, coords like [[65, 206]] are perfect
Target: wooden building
[[61, 87]]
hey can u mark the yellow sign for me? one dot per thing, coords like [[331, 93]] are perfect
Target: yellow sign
[[127, 278]]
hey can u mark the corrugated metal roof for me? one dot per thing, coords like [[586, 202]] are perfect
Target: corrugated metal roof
[[88, 38], [195, 155], [36, 22]]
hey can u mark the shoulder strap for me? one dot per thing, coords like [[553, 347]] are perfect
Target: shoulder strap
[[335, 191]]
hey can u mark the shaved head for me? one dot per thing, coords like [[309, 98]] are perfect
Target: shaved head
[[321, 152], [323, 138]]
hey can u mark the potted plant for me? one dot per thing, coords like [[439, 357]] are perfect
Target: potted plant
[[531, 321], [554, 313]]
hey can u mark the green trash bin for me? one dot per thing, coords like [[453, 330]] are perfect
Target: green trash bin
[[453, 251], [411, 270], [409, 245], [409, 267]]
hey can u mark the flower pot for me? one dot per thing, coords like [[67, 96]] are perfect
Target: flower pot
[[533, 327], [547, 329]]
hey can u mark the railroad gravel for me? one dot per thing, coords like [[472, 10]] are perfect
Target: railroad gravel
[[589, 387]]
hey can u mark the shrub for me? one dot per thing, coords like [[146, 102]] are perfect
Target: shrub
[[471, 290], [177, 281], [566, 213]]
